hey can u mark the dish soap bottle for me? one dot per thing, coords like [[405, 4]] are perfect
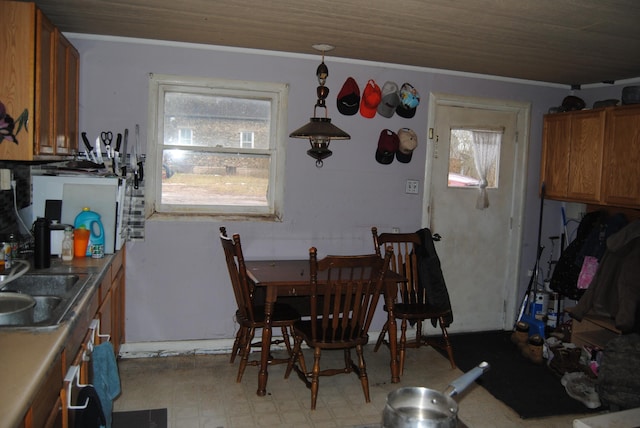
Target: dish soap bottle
[[67, 245]]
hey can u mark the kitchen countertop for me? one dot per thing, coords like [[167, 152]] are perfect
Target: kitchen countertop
[[26, 355]]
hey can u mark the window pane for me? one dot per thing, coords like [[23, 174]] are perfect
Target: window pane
[[215, 121], [462, 167], [200, 178]]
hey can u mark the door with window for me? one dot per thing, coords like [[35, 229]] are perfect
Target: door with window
[[480, 245]]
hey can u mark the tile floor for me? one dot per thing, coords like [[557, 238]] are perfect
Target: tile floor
[[200, 391]]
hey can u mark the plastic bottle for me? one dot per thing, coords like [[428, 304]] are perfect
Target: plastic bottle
[[91, 220], [13, 242], [67, 244], [42, 250]]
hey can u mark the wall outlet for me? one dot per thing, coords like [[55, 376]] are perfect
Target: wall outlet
[[5, 179], [395, 230], [412, 187]]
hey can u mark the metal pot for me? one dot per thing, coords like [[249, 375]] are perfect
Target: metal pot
[[418, 407], [16, 308]]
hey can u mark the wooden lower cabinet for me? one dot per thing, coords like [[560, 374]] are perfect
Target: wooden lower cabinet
[[47, 408], [50, 406], [593, 330]]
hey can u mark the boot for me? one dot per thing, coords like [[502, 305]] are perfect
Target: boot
[[521, 334], [533, 350]]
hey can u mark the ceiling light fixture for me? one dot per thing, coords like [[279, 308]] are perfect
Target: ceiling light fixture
[[320, 131]]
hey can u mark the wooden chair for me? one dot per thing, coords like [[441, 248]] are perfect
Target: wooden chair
[[250, 315], [344, 294], [412, 303]]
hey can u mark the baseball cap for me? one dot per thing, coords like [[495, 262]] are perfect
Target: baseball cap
[[407, 143], [387, 146], [349, 98], [390, 99], [409, 100], [371, 97]]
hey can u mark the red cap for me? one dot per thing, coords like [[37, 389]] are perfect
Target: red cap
[[349, 98], [387, 146], [371, 97]]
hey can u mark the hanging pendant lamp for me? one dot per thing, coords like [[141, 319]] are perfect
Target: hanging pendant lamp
[[320, 131]]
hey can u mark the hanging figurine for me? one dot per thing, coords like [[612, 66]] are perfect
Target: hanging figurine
[[7, 124]]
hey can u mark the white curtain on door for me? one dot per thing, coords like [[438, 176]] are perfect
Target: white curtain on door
[[486, 147]]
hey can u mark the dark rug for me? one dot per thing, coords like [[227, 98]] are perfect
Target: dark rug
[[155, 418], [532, 391]]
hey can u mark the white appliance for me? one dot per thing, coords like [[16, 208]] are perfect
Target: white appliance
[[104, 195]]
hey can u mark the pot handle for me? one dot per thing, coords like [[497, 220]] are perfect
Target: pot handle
[[461, 383]]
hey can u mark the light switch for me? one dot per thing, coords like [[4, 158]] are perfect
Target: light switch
[[412, 187]]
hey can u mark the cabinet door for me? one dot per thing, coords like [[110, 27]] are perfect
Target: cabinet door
[[106, 315], [117, 290], [555, 154], [65, 96], [44, 111], [585, 155], [621, 181], [17, 73], [46, 410]]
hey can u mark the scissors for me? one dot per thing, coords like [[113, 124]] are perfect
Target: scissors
[[107, 139]]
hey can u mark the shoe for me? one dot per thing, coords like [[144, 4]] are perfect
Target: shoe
[[521, 334], [534, 349], [581, 387]]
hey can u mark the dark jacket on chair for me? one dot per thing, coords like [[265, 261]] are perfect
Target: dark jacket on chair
[[430, 276]]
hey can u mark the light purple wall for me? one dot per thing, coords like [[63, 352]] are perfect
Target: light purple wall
[[177, 284]]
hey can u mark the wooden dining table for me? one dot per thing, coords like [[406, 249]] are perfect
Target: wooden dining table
[[291, 278]]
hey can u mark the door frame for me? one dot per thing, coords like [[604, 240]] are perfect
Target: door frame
[[523, 119]]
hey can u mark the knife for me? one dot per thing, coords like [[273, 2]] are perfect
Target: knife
[[116, 155], [99, 152], [90, 154], [124, 153], [134, 158]]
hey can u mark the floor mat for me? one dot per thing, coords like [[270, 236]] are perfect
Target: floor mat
[[531, 390], [155, 418]]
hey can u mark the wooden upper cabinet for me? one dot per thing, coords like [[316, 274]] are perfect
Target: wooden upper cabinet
[[572, 155], [66, 96], [585, 160], [555, 155], [40, 75], [45, 69], [621, 179], [593, 156]]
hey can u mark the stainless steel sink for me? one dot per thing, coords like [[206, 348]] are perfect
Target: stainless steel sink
[[55, 295]]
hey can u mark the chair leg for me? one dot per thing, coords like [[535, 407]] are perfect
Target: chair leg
[[246, 350], [403, 345], [294, 355], [385, 328], [364, 380], [315, 375], [447, 343], [418, 333], [237, 343], [285, 337]]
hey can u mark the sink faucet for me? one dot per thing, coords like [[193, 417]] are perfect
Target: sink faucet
[[19, 268]]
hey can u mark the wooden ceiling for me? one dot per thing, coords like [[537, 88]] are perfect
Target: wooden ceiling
[[570, 42]]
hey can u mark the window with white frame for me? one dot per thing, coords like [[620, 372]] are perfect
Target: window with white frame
[[200, 166], [246, 140]]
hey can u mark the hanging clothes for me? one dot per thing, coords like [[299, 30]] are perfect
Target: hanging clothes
[[92, 416], [430, 277]]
